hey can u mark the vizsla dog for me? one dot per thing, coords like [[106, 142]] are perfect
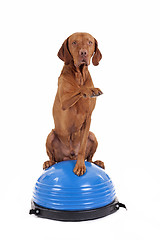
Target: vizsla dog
[[74, 103]]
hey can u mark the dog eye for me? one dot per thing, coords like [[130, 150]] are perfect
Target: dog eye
[[74, 43], [90, 42]]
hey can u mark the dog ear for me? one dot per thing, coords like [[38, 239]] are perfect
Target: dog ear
[[97, 54], [64, 53]]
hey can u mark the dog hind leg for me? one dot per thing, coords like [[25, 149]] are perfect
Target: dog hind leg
[[50, 150], [91, 149]]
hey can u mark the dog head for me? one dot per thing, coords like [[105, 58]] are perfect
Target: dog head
[[80, 48]]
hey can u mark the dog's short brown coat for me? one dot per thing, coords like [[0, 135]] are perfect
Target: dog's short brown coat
[[74, 103]]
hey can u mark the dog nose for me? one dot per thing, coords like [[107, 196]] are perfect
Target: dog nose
[[83, 53]]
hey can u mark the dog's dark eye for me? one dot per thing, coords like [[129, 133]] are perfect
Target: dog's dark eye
[[90, 42], [74, 43]]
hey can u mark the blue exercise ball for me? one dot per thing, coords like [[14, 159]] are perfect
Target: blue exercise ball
[[61, 195]]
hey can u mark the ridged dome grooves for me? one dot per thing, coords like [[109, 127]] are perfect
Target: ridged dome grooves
[[60, 189]]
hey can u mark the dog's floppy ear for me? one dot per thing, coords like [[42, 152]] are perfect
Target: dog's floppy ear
[[97, 54], [64, 53]]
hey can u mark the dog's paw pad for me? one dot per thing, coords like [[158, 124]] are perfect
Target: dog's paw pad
[[79, 170], [99, 163], [48, 164]]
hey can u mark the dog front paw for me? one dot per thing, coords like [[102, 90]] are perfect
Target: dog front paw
[[91, 92], [48, 164], [96, 92], [79, 169]]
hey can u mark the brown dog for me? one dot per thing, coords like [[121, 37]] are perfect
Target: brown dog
[[74, 103]]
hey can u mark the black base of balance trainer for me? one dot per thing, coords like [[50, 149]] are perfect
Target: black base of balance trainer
[[73, 216]]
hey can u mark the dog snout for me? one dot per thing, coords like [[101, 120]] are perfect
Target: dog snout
[[83, 53]]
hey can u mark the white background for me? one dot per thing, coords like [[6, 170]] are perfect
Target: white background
[[126, 119]]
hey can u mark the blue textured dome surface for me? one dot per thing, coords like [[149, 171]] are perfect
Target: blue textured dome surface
[[60, 189]]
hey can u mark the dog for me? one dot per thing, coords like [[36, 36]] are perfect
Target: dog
[[74, 103]]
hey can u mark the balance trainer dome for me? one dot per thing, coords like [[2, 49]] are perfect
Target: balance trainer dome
[[61, 195]]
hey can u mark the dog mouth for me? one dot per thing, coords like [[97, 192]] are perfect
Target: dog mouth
[[83, 62]]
